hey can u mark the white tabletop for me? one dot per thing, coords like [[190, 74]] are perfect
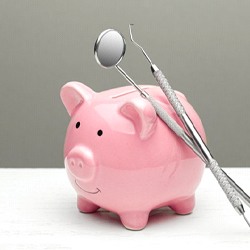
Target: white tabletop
[[38, 211]]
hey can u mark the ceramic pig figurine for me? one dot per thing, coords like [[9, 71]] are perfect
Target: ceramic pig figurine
[[120, 156]]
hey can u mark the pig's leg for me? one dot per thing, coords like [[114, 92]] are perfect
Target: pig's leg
[[85, 205], [185, 206], [135, 220]]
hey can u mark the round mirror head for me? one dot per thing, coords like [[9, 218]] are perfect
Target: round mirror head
[[109, 48]]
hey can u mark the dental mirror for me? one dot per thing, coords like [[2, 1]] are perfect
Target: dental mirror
[[109, 50]]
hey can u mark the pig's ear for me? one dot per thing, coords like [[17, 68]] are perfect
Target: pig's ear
[[74, 94], [143, 116]]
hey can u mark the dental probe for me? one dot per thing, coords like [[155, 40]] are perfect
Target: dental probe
[[219, 174]]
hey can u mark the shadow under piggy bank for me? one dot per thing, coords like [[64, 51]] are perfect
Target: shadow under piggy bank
[[157, 216]]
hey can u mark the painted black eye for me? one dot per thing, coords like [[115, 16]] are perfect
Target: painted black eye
[[99, 132], [78, 124]]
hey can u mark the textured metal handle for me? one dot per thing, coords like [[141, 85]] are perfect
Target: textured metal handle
[[161, 112], [225, 185], [173, 125], [243, 195], [169, 92], [212, 163]]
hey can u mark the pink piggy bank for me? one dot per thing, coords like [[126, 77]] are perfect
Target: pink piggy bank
[[120, 156]]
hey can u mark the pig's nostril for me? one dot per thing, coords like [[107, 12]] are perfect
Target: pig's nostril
[[75, 163]]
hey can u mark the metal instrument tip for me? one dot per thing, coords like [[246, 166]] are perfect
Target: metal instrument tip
[[248, 223], [139, 46], [130, 32]]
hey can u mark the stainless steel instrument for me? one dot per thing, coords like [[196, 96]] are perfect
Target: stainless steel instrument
[[109, 50]]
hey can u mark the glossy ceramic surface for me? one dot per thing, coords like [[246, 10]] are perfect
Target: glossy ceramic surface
[[121, 157]]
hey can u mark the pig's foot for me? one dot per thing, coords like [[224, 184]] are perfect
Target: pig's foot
[[185, 206], [85, 205], [134, 220]]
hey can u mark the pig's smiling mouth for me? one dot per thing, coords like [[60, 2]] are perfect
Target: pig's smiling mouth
[[95, 192]]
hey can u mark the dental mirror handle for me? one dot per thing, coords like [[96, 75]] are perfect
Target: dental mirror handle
[[211, 162], [219, 173], [179, 109], [200, 145], [221, 176], [216, 170]]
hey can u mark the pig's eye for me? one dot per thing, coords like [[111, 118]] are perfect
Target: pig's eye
[[99, 132], [78, 124]]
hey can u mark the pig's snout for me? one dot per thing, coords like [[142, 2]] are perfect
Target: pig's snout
[[80, 162]]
